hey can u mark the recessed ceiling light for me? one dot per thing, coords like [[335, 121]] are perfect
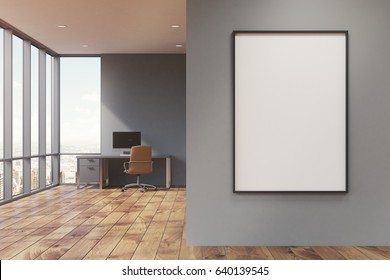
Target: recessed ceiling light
[[85, 46], [61, 26], [179, 45], [175, 26]]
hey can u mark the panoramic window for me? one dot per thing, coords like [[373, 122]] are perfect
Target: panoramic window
[[1, 94], [27, 160], [34, 101], [48, 103], [17, 96], [1, 114], [80, 111]]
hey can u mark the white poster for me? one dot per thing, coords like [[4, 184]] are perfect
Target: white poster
[[290, 111]]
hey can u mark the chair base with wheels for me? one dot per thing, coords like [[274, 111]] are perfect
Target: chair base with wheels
[[142, 187]]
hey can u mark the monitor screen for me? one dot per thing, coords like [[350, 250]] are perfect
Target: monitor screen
[[125, 140]]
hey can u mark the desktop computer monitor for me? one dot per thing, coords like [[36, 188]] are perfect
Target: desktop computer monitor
[[125, 140]]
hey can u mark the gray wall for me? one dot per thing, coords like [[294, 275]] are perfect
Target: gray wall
[[146, 92], [216, 216]]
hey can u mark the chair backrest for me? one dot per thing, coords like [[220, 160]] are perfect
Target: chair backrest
[[140, 160]]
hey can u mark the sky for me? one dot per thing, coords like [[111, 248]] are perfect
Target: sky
[[80, 102]]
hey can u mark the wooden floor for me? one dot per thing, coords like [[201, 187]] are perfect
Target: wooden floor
[[69, 223]]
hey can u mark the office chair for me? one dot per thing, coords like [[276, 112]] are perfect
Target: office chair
[[140, 163]]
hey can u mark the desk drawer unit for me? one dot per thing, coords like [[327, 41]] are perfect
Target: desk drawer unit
[[88, 171], [89, 174], [89, 162]]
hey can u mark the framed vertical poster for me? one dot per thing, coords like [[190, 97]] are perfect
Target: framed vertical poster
[[290, 111]]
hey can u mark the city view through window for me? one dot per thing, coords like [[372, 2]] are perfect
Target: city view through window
[[80, 112]]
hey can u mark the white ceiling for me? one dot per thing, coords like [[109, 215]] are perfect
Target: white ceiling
[[106, 26]]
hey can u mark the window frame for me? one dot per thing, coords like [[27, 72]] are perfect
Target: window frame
[[8, 158]]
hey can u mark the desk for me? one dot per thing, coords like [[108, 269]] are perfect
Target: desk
[[93, 169]]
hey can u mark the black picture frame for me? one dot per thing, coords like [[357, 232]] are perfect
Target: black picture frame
[[345, 34]]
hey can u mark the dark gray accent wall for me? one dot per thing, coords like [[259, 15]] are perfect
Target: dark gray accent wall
[[146, 92], [217, 216]]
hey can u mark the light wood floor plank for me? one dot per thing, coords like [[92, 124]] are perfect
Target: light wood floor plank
[[374, 253], [169, 247], [126, 247], [213, 253], [305, 253], [147, 248], [57, 250], [385, 250], [328, 253], [351, 253], [281, 253], [248, 253]]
